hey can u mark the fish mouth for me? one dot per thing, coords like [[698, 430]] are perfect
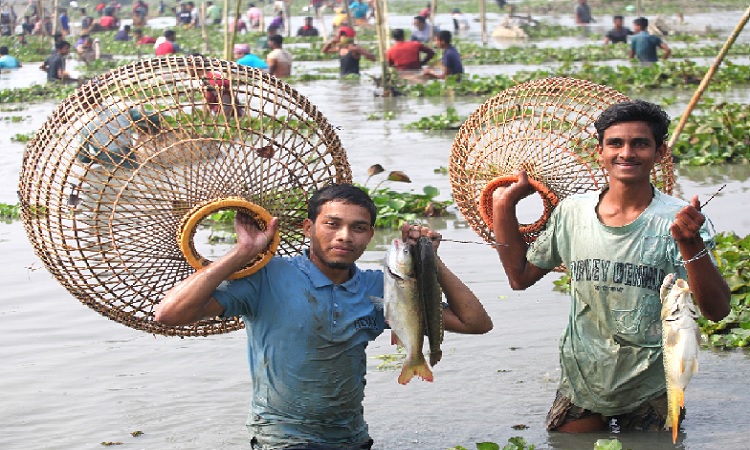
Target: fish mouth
[[392, 274]]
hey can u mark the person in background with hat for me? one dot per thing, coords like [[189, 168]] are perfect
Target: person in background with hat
[[618, 244], [349, 53], [279, 59], [254, 17], [244, 58], [309, 318], [218, 95], [308, 30]]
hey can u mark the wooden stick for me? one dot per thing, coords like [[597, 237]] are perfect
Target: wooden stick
[[233, 38], [483, 20], [707, 78], [431, 24]]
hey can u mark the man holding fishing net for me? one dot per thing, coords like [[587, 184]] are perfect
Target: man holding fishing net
[[618, 244], [309, 319]]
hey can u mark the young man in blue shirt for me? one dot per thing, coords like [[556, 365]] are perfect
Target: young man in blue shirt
[[451, 60], [643, 45], [308, 320]]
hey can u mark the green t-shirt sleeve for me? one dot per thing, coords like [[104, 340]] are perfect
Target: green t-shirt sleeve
[[544, 252]]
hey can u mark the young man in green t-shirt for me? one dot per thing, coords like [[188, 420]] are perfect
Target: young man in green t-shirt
[[618, 244]]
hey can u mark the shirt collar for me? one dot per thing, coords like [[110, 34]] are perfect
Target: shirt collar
[[319, 279]]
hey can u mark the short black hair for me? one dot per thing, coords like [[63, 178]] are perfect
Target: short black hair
[[59, 45], [398, 34], [346, 193], [276, 39], [635, 111], [170, 34], [641, 22], [273, 28], [420, 19], [617, 17], [445, 36], [3, 50]]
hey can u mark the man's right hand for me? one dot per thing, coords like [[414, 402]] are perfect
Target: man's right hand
[[515, 192], [250, 238]]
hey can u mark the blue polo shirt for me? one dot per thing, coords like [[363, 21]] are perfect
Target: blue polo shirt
[[644, 45], [306, 340]]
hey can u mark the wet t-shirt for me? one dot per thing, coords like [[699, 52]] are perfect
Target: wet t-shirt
[[306, 349], [610, 352]]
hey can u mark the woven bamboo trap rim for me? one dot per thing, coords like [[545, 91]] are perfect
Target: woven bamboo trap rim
[[118, 179], [191, 221], [544, 127]]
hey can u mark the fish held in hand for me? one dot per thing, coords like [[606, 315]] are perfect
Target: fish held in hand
[[680, 342], [426, 272], [404, 310]]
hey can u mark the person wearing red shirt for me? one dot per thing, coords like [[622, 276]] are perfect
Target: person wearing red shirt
[[407, 55]]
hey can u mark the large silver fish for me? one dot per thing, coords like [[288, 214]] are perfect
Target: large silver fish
[[680, 341], [404, 310], [431, 295]]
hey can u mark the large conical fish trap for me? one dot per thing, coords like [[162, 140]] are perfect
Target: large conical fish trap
[[545, 127], [117, 181]]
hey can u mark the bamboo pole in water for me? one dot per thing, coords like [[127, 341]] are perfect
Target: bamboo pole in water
[[55, 17], [382, 36], [433, 12], [707, 78], [226, 27], [204, 33], [228, 54], [483, 20]]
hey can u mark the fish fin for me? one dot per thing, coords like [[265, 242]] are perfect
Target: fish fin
[[675, 429], [395, 339], [435, 357], [377, 302], [420, 369]]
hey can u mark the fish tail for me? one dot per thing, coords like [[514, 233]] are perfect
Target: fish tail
[[675, 401], [418, 368], [435, 357]]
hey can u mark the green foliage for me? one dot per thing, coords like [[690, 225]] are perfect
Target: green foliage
[[449, 120], [514, 443], [715, 133], [22, 137], [733, 257], [474, 54], [607, 444], [631, 80], [9, 212], [36, 93], [395, 208]]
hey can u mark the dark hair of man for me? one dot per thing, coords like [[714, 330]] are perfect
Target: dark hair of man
[[617, 17], [445, 36], [635, 111], [126, 28], [3, 50], [273, 28], [641, 22], [276, 39], [170, 34], [397, 34], [59, 45], [420, 19], [346, 193]]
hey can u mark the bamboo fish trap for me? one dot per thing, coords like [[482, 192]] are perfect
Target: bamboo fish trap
[[116, 183], [545, 127]]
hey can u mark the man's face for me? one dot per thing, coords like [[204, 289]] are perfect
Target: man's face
[[629, 152], [65, 50], [618, 23], [339, 235], [418, 24]]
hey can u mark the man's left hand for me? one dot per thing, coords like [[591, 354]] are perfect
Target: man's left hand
[[688, 222]]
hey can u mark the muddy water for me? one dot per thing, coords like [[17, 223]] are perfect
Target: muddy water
[[70, 379]]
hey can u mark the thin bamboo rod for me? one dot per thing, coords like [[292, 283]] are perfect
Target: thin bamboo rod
[[382, 35], [707, 78], [483, 20], [233, 38], [431, 24]]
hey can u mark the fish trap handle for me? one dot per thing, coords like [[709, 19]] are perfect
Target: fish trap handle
[[549, 199], [191, 220]]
